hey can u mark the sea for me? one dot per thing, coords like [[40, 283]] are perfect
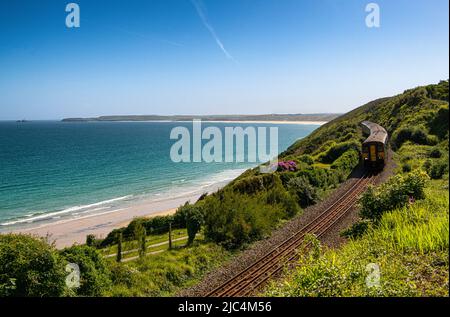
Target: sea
[[53, 170]]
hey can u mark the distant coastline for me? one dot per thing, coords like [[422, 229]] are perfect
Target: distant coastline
[[268, 118], [106, 175]]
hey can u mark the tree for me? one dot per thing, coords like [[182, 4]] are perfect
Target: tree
[[119, 248], [30, 267], [142, 246], [140, 235], [90, 240], [194, 220]]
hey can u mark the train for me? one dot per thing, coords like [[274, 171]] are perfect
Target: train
[[375, 147]]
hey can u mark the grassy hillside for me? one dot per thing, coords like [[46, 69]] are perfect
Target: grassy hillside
[[406, 241], [250, 207], [409, 246]]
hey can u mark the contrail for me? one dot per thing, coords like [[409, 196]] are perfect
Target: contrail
[[198, 6]]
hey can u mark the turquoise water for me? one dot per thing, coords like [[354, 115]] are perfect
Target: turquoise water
[[51, 169]]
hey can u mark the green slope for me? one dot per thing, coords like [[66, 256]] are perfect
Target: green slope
[[406, 242]]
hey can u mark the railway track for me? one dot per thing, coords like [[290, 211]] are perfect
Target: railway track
[[254, 276]]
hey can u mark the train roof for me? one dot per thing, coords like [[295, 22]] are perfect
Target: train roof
[[377, 132]]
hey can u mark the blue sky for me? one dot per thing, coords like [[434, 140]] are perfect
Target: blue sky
[[214, 56]]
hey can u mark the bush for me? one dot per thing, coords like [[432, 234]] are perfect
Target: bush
[[406, 168], [336, 150], [439, 125], [194, 219], [436, 153], [278, 196], [304, 192], [94, 273], [393, 194], [347, 162], [306, 159], [414, 134], [233, 219], [254, 184], [29, 267], [92, 241], [357, 230], [438, 169]]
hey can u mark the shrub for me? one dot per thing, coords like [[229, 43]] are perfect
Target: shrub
[[254, 184], [393, 194], [194, 219], [436, 153], [406, 168], [347, 161], [278, 196], [357, 230], [306, 159], [29, 267], [305, 193], [439, 125], [414, 134], [336, 150], [112, 238], [92, 241], [438, 169], [233, 219], [318, 177], [94, 273], [427, 166], [290, 166]]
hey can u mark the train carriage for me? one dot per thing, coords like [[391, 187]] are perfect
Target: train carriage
[[374, 148]]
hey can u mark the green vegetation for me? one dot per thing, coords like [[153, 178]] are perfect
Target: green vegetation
[[409, 245], [404, 227], [153, 243], [194, 219], [30, 267], [153, 226], [94, 272], [396, 193], [166, 273]]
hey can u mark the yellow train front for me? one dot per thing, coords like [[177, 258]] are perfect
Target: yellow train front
[[374, 148]]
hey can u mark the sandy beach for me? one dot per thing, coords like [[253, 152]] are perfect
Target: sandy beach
[[67, 232]]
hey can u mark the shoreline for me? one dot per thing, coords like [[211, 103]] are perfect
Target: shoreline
[[206, 121], [66, 228], [65, 233]]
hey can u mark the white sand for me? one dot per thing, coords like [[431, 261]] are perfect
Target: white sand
[[74, 231]]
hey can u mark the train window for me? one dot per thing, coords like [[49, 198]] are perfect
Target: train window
[[380, 148], [365, 149]]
